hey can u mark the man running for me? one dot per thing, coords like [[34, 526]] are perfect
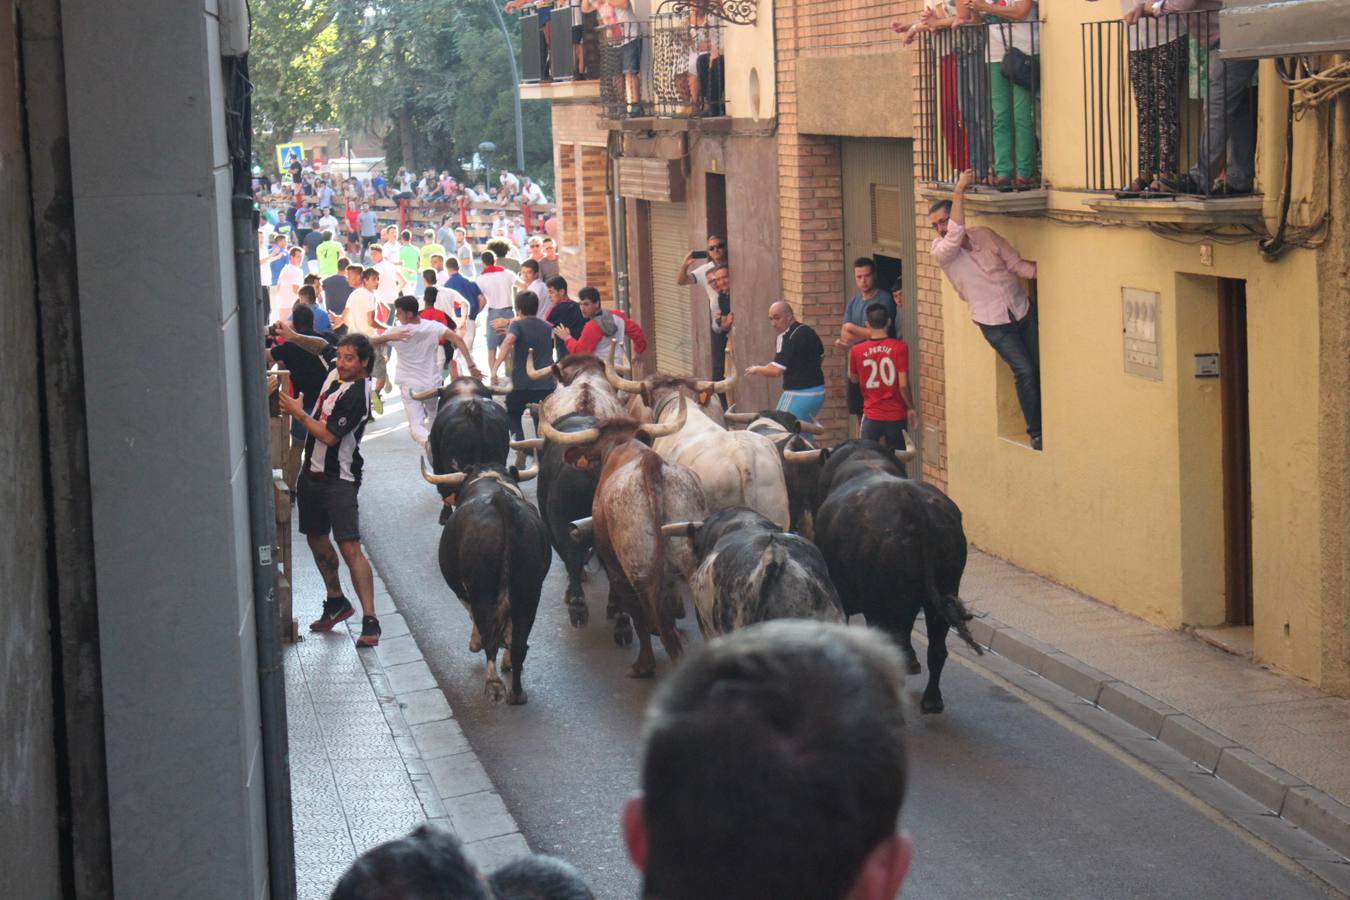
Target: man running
[[418, 367], [330, 478], [879, 366], [603, 327], [526, 333]]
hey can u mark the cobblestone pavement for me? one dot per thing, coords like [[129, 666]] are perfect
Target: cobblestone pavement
[[374, 746]]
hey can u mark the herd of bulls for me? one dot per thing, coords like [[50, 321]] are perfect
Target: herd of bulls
[[647, 475]]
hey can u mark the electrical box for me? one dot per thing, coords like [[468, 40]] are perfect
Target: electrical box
[[1143, 350]]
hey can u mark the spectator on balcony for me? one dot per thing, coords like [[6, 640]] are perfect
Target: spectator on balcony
[[531, 193], [583, 21], [1012, 102], [1228, 141], [940, 15], [624, 36], [986, 272]]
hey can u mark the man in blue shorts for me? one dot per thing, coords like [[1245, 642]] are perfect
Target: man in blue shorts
[[797, 362]]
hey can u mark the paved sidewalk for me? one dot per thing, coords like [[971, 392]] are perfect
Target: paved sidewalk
[[1279, 739], [375, 749]]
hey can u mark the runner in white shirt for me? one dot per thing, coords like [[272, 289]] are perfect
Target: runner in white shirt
[[419, 368], [287, 289], [359, 316], [391, 279]]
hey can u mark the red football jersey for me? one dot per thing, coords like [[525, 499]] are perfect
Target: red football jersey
[[878, 365]]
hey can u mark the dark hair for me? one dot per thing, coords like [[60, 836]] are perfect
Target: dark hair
[[357, 266], [429, 864], [405, 235], [312, 278], [328, 234], [343, 263], [940, 204], [407, 304], [775, 758], [877, 315], [487, 258], [306, 292], [864, 262], [538, 878], [531, 264], [527, 303], [558, 283], [429, 276], [302, 317], [369, 272], [499, 247], [589, 293], [365, 350], [452, 264]]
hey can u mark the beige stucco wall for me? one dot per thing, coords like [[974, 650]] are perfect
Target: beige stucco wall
[[751, 89], [1124, 503]]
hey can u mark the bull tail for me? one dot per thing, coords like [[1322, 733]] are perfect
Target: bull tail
[[506, 510], [951, 609]]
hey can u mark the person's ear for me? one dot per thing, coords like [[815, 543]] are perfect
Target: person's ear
[[884, 869], [635, 832]]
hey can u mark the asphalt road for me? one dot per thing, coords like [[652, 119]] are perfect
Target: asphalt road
[[1009, 798]]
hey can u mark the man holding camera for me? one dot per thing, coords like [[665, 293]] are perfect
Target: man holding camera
[[708, 269]]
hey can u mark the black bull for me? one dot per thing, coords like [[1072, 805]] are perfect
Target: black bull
[[469, 429], [565, 493], [894, 547]]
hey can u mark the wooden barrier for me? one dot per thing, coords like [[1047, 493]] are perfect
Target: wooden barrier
[[285, 462]]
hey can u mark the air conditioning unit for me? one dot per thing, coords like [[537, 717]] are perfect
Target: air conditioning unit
[[1250, 29]]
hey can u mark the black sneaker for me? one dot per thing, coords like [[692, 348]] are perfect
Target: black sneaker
[[335, 611], [370, 632]]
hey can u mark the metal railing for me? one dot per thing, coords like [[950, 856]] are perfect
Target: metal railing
[[980, 104], [548, 51], [1162, 113], [670, 66]]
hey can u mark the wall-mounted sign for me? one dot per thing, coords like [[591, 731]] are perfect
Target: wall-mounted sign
[[289, 153], [1206, 365], [1139, 315]]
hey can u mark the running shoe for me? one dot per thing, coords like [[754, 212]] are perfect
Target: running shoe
[[370, 632], [377, 403], [335, 611]]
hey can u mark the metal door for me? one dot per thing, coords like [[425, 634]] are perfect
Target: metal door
[[671, 303]]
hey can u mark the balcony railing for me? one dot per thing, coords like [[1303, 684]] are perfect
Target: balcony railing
[[1162, 113], [670, 66], [549, 49], [980, 104]]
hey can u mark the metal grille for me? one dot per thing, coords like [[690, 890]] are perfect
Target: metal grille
[[680, 71], [670, 302], [885, 216], [1146, 89], [971, 109]]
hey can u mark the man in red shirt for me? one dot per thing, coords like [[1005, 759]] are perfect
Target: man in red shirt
[[880, 367], [602, 325]]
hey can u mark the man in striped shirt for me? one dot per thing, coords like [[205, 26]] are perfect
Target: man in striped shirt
[[329, 479]]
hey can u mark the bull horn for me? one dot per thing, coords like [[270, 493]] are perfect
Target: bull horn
[[908, 453], [527, 474], [531, 444], [727, 383], [536, 374], [424, 395], [573, 438], [740, 417], [455, 478], [619, 384], [802, 456], [681, 529], [658, 430], [812, 426], [499, 391], [580, 530]]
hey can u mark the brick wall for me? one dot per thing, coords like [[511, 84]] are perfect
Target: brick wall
[[580, 162]]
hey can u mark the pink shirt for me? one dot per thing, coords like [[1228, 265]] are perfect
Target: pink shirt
[[985, 276]]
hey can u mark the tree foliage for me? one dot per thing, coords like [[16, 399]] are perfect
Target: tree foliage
[[432, 76]]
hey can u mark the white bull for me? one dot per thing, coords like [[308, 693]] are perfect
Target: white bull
[[736, 468]]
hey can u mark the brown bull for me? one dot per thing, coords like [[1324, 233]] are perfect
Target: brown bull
[[638, 493]]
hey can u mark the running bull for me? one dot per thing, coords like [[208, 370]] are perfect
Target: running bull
[[637, 493], [893, 547], [469, 428], [494, 555], [787, 432], [751, 571]]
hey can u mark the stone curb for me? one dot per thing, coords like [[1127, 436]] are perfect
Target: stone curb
[[454, 789], [1307, 807]]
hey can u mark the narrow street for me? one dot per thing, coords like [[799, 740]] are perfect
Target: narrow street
[[1010, 796]]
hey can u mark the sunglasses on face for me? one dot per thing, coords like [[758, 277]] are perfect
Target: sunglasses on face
[[716, 246]]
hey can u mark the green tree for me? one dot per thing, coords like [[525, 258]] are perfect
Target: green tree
[[290, 41]]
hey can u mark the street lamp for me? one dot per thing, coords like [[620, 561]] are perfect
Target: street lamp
[[485, 151]]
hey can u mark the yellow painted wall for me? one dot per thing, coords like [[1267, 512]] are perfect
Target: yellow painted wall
[[1124, 501], [751, 85]]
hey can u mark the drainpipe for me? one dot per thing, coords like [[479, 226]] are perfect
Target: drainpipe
[[618, 242], [261, 509]]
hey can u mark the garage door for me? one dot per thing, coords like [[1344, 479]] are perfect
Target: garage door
[[670, 235]]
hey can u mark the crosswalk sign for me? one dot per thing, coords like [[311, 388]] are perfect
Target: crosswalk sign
[[288, 154]]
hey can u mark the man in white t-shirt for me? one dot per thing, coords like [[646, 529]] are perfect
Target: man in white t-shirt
[[698, 274], [531, 193], [359, 317], [391, 279], [287, 290], [419, 368], [499, 293], [328, 222]]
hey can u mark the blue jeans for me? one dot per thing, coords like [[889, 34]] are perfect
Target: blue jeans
[[1020, 346]]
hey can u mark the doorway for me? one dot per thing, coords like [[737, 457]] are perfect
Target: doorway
[[1237, 458], [715, 210]]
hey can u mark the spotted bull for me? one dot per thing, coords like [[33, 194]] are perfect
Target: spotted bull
[[637, 493], [894, 547], [750, 571], [494, 555]]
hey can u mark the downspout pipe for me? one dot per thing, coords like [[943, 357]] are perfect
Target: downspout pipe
[[261, 508]]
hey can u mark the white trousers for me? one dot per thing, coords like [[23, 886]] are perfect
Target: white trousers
[[469, 329], [421, 413]]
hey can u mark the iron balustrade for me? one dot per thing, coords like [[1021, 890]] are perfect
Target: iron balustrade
[[548, 52], [1162, 113], [973, 114], [670, 66]]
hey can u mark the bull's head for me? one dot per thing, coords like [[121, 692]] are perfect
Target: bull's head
[[586, 447], [455, 480]]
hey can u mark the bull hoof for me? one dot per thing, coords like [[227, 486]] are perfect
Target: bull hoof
[[931, 705], [578, 614], [495, 690], [506, 661], [636, 672], [611, 610], [623, 632], [912, 665], [518, 699], [475, 642]]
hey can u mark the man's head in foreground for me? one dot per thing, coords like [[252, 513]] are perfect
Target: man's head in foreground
[[428, 864], [774, 766]]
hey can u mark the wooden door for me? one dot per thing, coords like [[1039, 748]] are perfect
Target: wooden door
[[1237, 460]]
